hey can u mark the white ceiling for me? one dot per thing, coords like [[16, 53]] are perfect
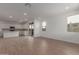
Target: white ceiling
[[17, 10]]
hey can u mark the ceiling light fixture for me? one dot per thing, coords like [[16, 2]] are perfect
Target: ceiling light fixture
[[25, 13], [67, 7], [27, 4], [10, 16]]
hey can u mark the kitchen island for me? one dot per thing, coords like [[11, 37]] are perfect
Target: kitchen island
[[7, 34]]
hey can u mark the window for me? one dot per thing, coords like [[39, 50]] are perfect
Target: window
[[73, 23]]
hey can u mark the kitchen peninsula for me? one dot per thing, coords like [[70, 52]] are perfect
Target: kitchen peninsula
[[14, 33]]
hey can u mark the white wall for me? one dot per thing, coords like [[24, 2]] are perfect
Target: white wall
[[57, 29], [36, 27]]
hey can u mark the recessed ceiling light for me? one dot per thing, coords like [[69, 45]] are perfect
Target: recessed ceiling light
[[25, 13], [10, 16], [67, 7]]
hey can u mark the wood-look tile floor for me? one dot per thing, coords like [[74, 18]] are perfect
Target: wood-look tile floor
[[36, 46]]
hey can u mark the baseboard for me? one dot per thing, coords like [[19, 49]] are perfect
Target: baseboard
[[57, 39]]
